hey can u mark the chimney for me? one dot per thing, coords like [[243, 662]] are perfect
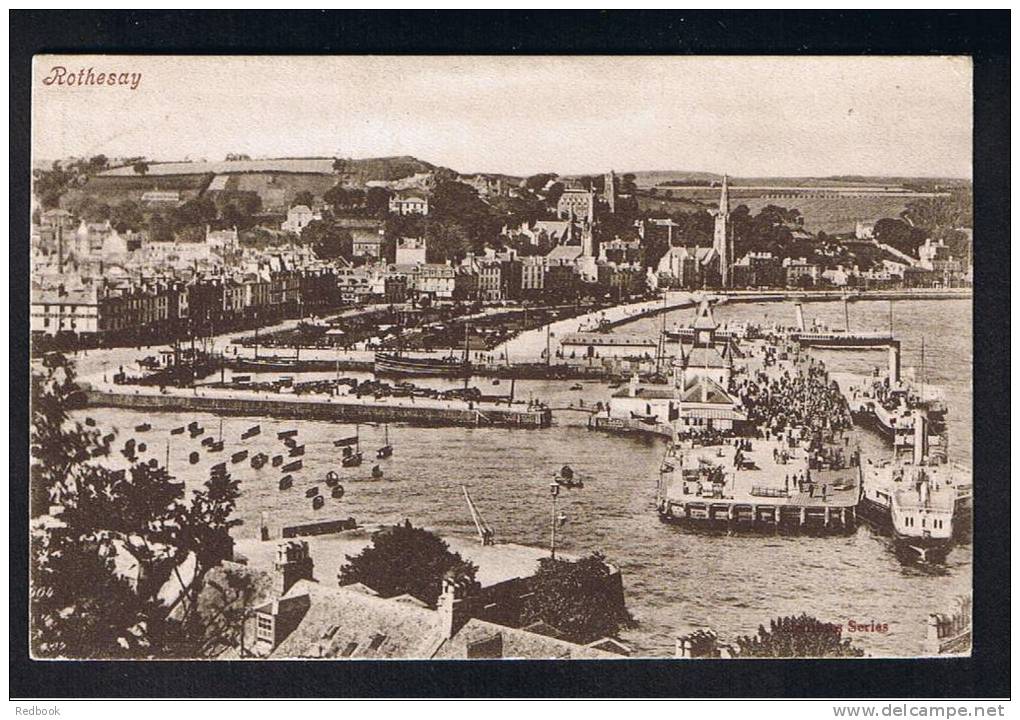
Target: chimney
[[452, 613], [293, 563]]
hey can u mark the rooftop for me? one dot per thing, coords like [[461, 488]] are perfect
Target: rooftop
[[647, 392], [343, 624], [514, 643], [565, 252]]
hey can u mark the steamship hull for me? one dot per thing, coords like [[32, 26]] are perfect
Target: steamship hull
[[387, 364], [849, 341]]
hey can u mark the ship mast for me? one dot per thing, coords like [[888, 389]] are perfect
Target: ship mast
[[660, 351], [922, 368]]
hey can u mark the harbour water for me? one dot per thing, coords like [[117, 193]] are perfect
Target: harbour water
[[676, 579]]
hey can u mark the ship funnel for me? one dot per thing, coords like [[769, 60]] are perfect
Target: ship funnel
[[920, 438]]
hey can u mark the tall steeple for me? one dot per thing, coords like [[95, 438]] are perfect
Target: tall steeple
[[722, 242]]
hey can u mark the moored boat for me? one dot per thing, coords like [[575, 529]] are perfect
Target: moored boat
[[351, 458], [918, 503], [386, 450], [566, 477], [395, 364]]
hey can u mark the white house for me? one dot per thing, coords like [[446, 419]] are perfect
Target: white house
[[409, 204], [640, 401], [298, 218]]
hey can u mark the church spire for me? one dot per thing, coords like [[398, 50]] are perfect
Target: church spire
[[724, 197]]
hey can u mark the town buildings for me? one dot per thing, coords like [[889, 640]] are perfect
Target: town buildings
[[576, 204]]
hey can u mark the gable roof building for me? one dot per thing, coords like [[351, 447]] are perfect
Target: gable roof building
[[296, 616]]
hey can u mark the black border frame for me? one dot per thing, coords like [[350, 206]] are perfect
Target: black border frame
[[984, 35]]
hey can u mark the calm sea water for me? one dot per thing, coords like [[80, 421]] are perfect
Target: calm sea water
[[675, 579]]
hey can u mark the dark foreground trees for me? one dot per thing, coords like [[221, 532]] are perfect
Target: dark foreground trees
[[116, 553], [405, 559], [582, 599], [801, 636]]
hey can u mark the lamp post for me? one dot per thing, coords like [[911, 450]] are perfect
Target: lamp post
[[554, 488]]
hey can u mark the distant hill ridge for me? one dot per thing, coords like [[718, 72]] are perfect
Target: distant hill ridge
[[383, 168]]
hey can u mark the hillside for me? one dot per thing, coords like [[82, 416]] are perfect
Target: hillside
[[115, 189]]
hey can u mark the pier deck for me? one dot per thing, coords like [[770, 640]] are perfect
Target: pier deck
[[758, 490]]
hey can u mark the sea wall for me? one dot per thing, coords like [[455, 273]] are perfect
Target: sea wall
[[462, 414]]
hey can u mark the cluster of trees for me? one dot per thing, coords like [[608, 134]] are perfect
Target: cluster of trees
[[405, 559], [81, 606], [327, 239], [576, 599], [938, 218], [186, 222], [51, 184], [800, 636], [459, 222], [572, 596], [900, 234], [372, 202], [771, 230]]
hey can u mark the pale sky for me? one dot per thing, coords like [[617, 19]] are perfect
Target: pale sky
[[748, 116]]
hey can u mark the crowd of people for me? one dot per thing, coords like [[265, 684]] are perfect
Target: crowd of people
[[802, 399]]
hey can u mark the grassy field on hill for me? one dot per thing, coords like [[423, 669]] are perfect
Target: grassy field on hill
[[113, 190]]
